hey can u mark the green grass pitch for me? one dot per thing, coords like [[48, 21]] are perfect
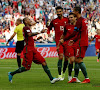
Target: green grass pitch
[[36, 79]]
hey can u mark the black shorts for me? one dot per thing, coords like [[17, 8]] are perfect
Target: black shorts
[[19, 46]]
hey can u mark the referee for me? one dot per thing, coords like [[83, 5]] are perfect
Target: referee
[[20, 40]]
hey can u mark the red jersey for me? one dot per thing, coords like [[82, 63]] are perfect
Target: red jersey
[[58, 25], [81, 28], [28, 39], [68, 30], [97, 43]]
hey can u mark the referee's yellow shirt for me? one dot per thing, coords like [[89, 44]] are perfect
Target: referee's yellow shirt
[[19, 31]]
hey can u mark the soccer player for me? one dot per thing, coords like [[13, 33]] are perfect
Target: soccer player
[[20, 40], [82, 43], [58, 25], [97, 43], [69, 50], [30, 53]]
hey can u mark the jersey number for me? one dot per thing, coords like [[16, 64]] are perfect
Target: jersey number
[[77, 52]]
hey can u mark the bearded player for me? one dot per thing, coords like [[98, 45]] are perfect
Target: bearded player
[[58, 24]]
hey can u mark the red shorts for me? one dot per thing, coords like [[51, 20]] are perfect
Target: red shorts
[[69, 51], [31, 54], [80, 51], [62, 49]]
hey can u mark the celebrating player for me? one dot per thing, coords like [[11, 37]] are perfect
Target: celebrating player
[[69, 50], [82, 43], [58, 25], [97, 43], [30, 53]]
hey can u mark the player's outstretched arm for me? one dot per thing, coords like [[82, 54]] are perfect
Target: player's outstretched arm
[[49, 26], [33, 23], [33, 34]]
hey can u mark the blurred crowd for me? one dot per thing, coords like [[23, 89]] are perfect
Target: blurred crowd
[[43, 11]]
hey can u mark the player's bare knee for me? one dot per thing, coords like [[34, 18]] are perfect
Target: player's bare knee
[[44, 64], [76, 60], [72, 59], [79, 60], [60, 56], [66, 58], [71, 62], [19, 54]]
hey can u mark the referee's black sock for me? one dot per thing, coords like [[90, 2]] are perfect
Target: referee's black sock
[[18, 61]]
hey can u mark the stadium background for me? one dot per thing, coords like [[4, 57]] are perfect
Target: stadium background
[[43, 11]]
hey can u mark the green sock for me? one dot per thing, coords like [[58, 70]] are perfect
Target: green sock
[[65, 66], [83, 69], [46, 69], [59, 66], [21, 69], [70, 67], [76, 69]]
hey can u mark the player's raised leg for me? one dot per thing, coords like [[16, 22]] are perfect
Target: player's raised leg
[[10, 74], [46, 69], [38, 59], [27, 60]]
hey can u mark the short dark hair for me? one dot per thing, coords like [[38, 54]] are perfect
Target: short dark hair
[[59, 7], [78, 8], [24, 20], [72, 14]]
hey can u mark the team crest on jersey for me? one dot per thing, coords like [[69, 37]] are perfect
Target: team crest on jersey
[[65, 22], [56, 23], [69, 29], [61, 28], [28, 30]]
